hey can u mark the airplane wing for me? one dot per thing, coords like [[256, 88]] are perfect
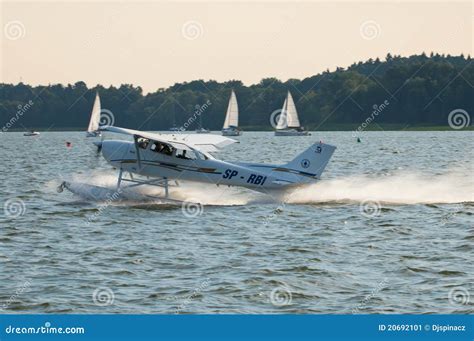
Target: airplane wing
[[201, 142], [204, 142]]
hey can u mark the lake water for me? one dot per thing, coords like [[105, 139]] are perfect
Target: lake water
[[389, 229]]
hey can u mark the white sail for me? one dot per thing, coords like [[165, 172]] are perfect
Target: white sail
[[232, 115], [292, 114], [95, 115], [282, 118]]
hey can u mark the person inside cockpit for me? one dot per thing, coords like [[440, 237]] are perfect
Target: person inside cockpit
[[162, 148], [181, 154], [143, 143]]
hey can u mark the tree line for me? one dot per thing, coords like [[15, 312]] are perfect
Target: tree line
[[418, 90]]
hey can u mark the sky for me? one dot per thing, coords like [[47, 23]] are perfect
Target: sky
[[154, 44]]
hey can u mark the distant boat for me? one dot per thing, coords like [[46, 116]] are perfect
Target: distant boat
[[31, 133], [231, 123], [202, 131], [288, 123], [174, 129], [93, 128]]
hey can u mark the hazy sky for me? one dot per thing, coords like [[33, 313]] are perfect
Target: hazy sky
[[156, 43]]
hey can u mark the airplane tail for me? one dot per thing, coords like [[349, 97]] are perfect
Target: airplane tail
[[313, 160]]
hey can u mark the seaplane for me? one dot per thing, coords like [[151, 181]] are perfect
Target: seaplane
[[166, 159]]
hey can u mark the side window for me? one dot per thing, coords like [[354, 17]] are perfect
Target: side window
[[156, 147], [167, 150], [143, 143], [162, 148], [185, 154], [202, 156]]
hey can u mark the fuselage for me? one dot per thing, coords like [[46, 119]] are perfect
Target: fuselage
[[154, 159]]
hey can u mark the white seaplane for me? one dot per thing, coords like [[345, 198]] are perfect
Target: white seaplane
[[165, 159]]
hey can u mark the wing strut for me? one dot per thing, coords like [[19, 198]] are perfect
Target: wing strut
[[119, 180], [137, 150]]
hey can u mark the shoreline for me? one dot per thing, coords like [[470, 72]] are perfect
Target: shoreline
[[348, 128]]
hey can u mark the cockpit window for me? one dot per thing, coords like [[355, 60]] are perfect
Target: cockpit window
[[163, 148], [190, 155], [185, 154], [143, 142], [202, 155]]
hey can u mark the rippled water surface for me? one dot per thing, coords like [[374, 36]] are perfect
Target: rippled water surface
[[388, 230]]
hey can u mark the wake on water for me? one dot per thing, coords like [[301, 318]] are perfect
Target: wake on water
[[399, 188]]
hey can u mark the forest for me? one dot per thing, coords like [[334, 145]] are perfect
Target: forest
[[415, 91]]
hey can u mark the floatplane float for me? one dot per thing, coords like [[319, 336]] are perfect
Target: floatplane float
[[163, 160]]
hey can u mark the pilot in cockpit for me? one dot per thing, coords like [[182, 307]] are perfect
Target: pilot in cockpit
[[181, 154]]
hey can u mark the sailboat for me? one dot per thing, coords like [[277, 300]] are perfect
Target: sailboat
[[201, 129], [231, 123], [288, 123], [93, 128]]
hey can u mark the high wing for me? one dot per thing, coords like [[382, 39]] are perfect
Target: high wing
[[202, 142]]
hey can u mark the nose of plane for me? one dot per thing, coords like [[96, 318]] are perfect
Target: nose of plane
[[114, 150]]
